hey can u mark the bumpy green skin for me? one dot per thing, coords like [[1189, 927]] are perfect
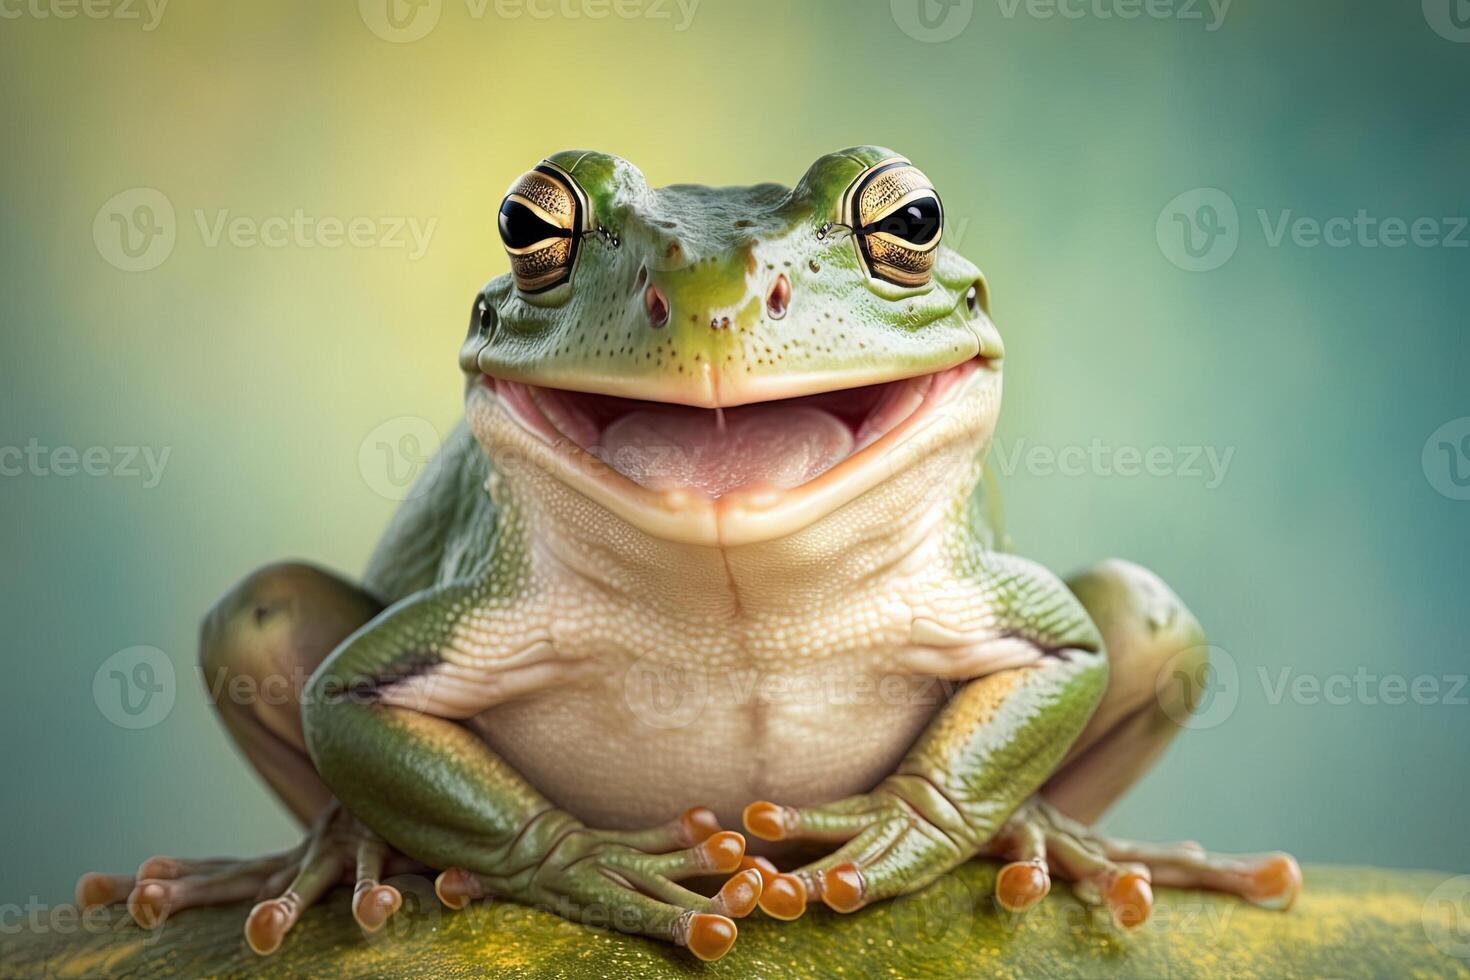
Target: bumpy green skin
[[1351, 922], [697, 245], [434, 790]]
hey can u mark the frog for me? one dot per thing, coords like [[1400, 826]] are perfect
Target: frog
[[717, 544]]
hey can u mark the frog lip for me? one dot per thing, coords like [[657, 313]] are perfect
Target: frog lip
[[842, 440]]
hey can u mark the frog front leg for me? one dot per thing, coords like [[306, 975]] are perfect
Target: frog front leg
[[991, 747], [382, 726], [1148, 634]]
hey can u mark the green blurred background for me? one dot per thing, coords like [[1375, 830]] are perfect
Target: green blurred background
[[1335, 544]]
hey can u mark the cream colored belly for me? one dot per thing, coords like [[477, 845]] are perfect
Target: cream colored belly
[[623, 754]]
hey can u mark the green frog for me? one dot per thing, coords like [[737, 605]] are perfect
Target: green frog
[[715, 546]]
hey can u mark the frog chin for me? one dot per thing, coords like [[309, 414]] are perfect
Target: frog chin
[[743, 475]]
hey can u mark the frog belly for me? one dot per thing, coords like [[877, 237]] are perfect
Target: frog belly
[[623, 761]]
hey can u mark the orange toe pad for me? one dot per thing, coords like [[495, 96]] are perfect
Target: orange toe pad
[[710, 936]]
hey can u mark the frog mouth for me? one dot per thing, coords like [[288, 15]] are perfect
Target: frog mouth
[[650, 458]]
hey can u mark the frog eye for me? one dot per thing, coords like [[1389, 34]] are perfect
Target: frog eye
[[542, 220], [897, 221]]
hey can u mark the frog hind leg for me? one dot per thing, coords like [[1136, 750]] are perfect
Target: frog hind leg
[[258, 646], [1157, 669]]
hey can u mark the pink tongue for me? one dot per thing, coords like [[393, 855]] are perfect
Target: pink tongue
[[673, 447]]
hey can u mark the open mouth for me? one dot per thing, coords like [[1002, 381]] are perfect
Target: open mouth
[[714, 452]]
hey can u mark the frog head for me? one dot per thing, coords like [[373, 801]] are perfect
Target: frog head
[[728, 365]]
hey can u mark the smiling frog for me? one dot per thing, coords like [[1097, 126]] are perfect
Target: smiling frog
[[715, 546]]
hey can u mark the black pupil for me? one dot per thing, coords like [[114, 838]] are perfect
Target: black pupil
[[520, 227], [917, 222]]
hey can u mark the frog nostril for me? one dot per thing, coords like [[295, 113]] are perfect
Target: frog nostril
[[779, 297], [972, 297], [655, 306], [484, 318]]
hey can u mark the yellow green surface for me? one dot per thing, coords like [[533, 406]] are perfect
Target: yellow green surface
[[1350, 922]]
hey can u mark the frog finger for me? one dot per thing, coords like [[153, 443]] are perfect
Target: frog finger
[[605, 893], [458, 887], [1269, 880], [1026, 880], [271, 919], [898, 856], [160, 866], [373, 902], [95, 889], [1124, 887], [829, 823], [720, 853], [736, 898], [783, 896], [690, 827], [708, 935], [152, 900]]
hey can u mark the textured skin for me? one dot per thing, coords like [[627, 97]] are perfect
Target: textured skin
[[714, 253], [1352, 922], [523, 681]]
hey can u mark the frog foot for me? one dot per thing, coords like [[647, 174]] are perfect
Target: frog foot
[[337, 849], [628, 881], [1120, 874]]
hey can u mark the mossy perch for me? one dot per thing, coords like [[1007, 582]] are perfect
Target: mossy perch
[[1349, 922]]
